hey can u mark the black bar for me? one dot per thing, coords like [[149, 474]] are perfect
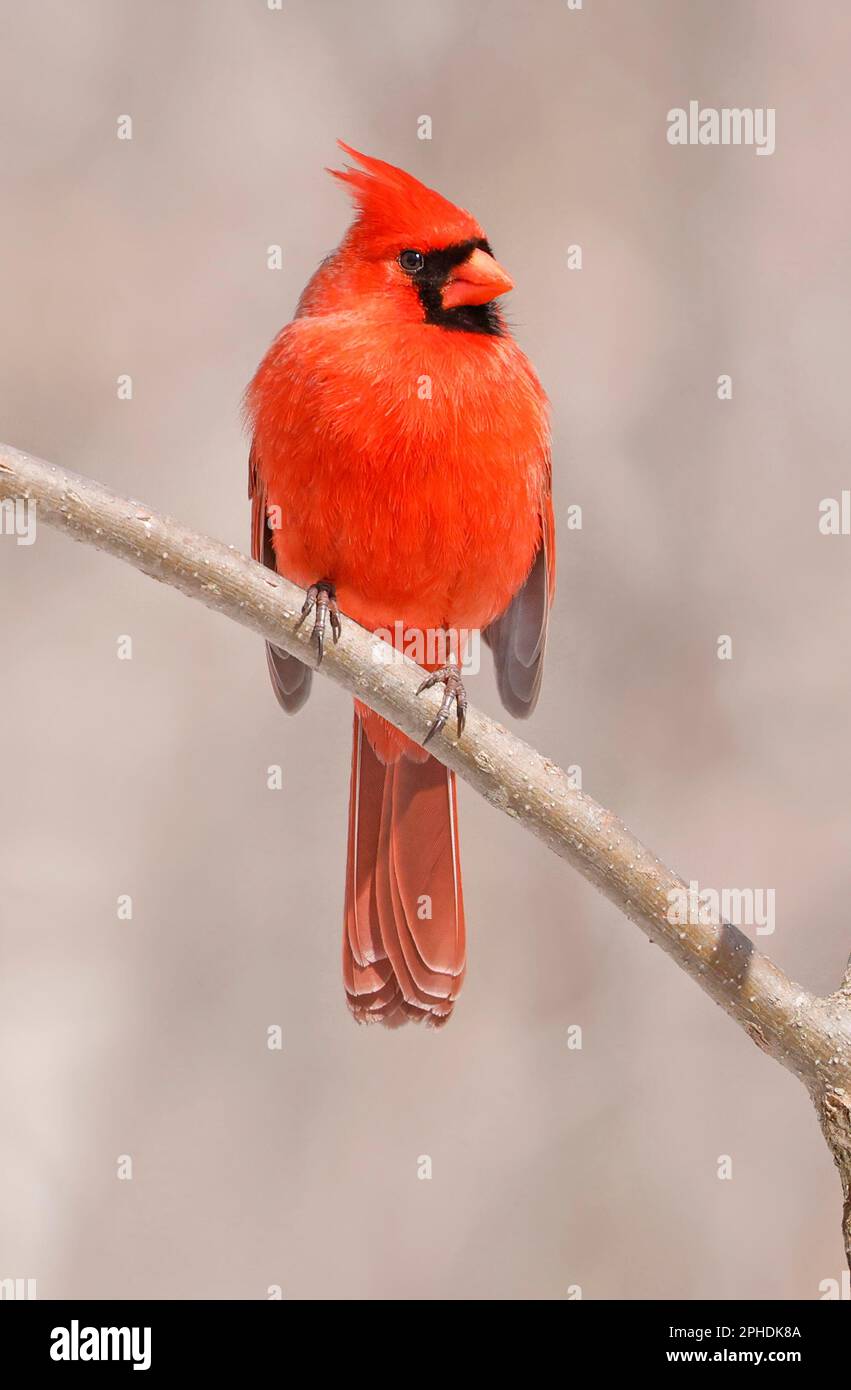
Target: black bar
[[220, 1338]]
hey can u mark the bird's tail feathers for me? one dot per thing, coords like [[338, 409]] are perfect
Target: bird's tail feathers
[[404, 950]]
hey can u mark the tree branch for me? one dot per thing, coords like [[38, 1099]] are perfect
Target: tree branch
[[810, 1036]]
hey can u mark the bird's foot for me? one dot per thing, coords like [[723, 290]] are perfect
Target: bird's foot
[[453, 690], [323, 597]]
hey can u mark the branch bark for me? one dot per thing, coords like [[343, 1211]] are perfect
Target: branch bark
[[811, 1036]]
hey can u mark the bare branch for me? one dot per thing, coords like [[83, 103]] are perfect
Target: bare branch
[[809, 1035]]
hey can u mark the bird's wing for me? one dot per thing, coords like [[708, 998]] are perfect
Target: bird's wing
[[291, 679], [519, 636]]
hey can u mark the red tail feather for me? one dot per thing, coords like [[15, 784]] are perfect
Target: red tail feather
[[403, 937]]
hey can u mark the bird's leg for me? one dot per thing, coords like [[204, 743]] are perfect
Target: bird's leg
[[453, 689], [323, 597]]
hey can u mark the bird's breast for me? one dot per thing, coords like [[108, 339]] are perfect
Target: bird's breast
[[407, 466]]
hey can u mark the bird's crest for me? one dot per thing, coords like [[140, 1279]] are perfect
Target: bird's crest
[[394, 207]]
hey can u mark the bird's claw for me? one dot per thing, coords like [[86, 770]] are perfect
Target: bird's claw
[[323, 597], [453, 690]]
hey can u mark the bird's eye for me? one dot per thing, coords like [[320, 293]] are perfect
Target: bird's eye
[[411, 261]]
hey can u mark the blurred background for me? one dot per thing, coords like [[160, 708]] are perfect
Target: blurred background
[[552, 1167]]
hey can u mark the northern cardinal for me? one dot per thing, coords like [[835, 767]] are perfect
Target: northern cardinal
[[400, 468]]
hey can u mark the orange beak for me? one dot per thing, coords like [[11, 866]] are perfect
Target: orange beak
[[477, 280]]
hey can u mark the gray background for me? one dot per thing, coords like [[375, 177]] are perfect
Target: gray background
[[551, 1167]]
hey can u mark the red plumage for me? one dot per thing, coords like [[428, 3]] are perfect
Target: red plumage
[[404, 448]]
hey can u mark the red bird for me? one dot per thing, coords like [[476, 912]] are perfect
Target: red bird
[[400, 468]]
